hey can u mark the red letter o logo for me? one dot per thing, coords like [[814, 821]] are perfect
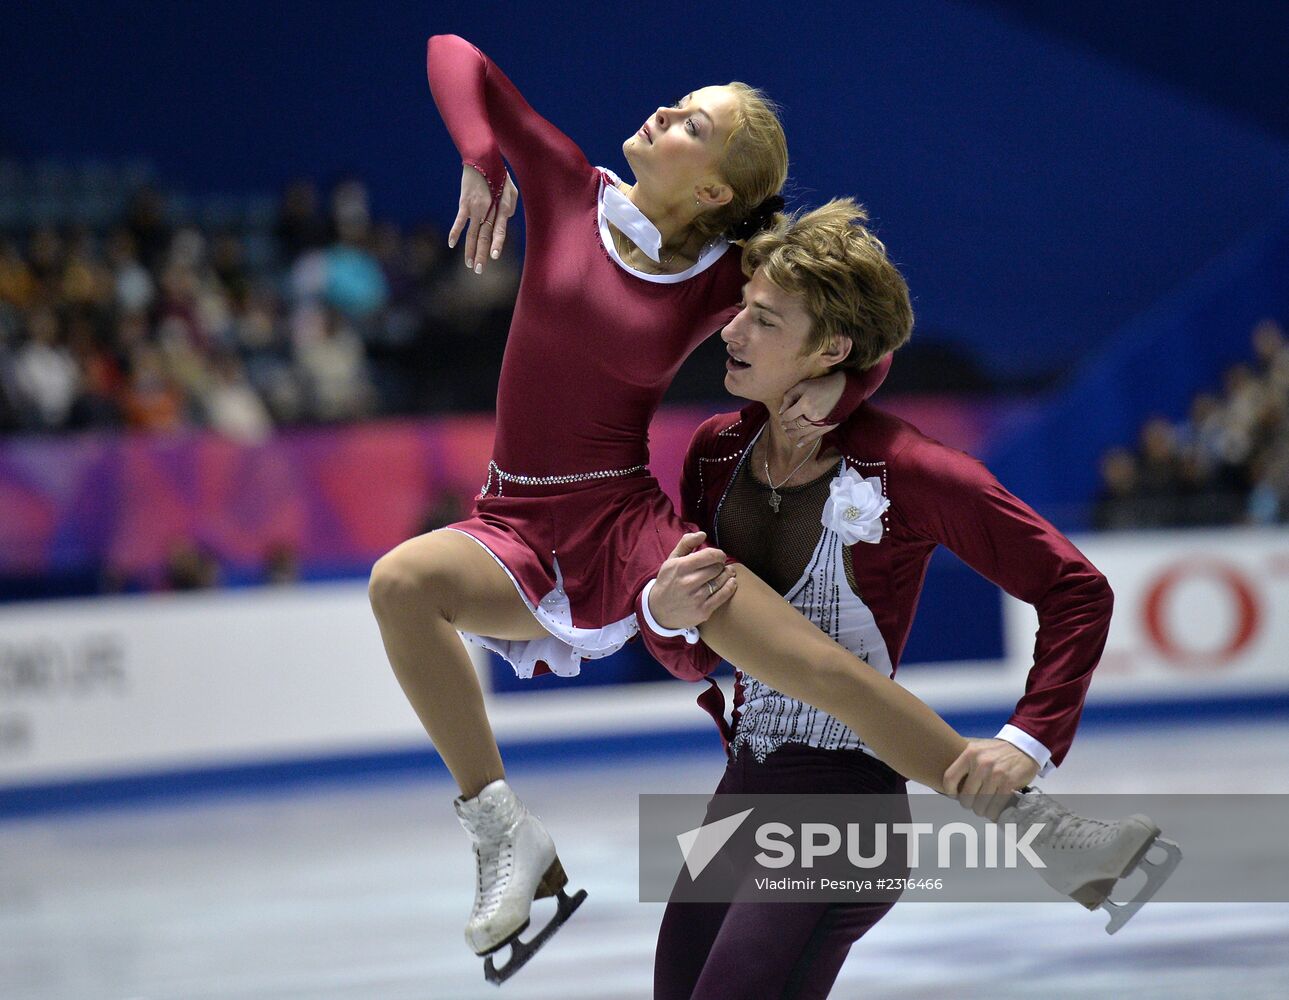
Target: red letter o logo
[[1247, 621]]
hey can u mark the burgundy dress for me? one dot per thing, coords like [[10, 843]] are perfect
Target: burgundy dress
[[568, 507]]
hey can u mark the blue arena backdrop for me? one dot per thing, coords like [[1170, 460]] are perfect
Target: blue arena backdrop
[[1040, 179]]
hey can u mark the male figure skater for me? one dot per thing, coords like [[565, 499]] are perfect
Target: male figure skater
[[844, 533]]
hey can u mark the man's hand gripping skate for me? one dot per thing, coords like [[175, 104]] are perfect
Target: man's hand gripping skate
[[986, 774], [1084, 858]]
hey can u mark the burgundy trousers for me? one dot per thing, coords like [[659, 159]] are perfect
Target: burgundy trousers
[[771, 950]]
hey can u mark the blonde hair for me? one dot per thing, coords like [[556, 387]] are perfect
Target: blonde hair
[[841, 271], [754, 162]]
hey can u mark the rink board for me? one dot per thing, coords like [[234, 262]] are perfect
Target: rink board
[[230, 682]]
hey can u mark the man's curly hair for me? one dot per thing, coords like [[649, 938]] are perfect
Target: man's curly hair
[[841, 271]]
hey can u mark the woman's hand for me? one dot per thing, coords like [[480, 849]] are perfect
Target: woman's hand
[[806, 405], [691, 584], [486, 234]]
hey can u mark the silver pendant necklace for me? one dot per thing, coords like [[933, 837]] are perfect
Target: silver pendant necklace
[[775, 498]]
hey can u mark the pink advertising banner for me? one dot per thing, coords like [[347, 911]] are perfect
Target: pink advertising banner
[[337, 497]]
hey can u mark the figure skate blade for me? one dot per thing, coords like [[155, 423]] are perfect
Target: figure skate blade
[[1157, 873], [522, 951]]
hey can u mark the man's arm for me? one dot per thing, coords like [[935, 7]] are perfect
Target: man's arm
[[679, 599], [952, 499]]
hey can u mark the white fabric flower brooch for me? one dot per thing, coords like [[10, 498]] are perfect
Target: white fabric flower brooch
[[855, 507]]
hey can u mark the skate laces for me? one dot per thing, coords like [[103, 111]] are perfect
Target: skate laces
[[1066, 830], [491, 830], [498, 864]]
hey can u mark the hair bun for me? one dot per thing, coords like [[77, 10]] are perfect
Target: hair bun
[[761, 217]]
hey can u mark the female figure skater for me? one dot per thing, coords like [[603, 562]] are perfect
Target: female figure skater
[[620, 283], [845, 536]]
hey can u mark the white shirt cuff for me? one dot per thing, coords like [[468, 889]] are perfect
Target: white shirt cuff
[[690, 634], [1025, 743]]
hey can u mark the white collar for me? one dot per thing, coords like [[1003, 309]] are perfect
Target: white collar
[[711, 253], [632, 223]]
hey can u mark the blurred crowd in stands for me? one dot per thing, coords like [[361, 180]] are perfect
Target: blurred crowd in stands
[[163, 316], [123, 306], [1226, 463]]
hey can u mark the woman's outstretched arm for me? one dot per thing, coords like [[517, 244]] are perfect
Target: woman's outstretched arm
[[491, 125], [489, 119]]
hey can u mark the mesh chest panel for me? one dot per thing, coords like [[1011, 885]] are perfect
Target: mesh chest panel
[[776, 547]]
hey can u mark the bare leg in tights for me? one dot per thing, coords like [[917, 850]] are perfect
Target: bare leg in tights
[[422, 592], [430, 586], [763, 635]]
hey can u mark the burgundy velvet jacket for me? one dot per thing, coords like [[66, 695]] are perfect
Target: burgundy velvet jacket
[[938, 496]]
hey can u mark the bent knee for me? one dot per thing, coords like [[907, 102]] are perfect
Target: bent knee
[[412, 575], [389, 582]]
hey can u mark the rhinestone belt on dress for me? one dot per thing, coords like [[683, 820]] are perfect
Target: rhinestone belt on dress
[[580, 477]]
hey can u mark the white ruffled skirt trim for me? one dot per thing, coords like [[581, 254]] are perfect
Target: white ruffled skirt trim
[[567, 645]]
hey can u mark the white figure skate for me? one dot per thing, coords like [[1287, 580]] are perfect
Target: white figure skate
[[1086, 857], [516, 863]]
